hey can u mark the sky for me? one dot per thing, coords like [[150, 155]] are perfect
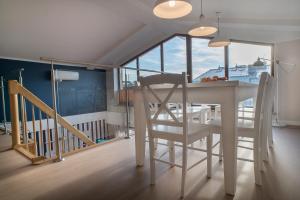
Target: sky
[[203, 57]]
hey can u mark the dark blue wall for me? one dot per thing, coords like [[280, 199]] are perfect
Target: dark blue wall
[[86, 95]]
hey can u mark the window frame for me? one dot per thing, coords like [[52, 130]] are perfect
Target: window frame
[[272, 45], [187, 49], [189, 54], [149, 50]]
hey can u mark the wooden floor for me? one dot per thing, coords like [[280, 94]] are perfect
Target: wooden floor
[[109, 172]]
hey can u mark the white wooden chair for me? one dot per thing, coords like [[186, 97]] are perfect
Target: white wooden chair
[[251, 128], [248, 114], [173, 128], [267, 136]]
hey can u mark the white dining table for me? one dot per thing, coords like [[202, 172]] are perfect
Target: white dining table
[[225, 93]]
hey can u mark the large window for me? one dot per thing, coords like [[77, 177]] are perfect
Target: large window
[[175, 55], [248, 61], [206, 61], [244, 61], [150, 61]]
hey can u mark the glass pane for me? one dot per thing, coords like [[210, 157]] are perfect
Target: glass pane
[[248, 61], [131, 77], [206, 61], [150, 60], [175, 55], [131, 74], [132, 64]]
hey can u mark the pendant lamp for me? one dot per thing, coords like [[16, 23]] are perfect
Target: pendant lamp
[[172, 9], [202, 28], [219, 41]]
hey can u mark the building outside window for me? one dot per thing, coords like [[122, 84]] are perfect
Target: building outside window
[[248, 61]]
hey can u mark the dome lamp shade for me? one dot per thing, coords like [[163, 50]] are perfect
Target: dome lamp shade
[[172, 9]]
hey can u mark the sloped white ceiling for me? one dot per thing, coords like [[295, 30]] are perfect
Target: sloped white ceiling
[[112, 31], [76, 30]]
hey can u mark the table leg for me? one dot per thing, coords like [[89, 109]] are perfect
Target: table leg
[[229, 122], [140, 129]]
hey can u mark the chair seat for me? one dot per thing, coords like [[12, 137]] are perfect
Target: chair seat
[[196, 131], [245, 127], [192, 113]]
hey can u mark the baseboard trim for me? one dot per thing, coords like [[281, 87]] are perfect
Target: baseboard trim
[[290, 123]]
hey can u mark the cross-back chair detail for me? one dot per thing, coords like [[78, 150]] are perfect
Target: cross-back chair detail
[[175, 80]]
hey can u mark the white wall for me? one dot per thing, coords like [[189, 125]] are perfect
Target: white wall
[[289, 81]]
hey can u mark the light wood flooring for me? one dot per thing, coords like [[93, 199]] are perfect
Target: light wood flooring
[[109, 172]]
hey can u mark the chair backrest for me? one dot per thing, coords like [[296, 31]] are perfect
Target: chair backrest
[[261, 101], [268, 95], [261, 94], [267, 106], [270, 89], [150, 96]]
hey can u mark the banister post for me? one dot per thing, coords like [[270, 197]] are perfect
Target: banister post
[[14, 112], [57, 144]]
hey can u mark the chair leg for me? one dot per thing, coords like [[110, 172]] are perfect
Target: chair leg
[[155, 143], [221, 148], [209, 154], [184, 168], [257, 163], [266, 139], [264, 147], [171, 152], [152, 161]]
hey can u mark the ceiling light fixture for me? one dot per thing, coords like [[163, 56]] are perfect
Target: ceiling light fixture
[[219, 41], [172, 9], [202, 28]]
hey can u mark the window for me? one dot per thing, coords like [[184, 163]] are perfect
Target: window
[[175, 55], [131, 74], [150, 61], [248, 61], [206, 61]]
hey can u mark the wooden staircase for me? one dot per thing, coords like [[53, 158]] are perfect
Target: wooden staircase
[[21, 140]]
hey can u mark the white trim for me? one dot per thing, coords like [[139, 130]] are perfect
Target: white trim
[[291, 123], [40, 61], [23, 59]]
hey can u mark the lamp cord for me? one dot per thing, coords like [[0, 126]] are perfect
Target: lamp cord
[[218, 15], [201, 8]]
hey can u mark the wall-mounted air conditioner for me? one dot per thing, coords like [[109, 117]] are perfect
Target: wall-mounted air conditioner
[[61, 75]]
